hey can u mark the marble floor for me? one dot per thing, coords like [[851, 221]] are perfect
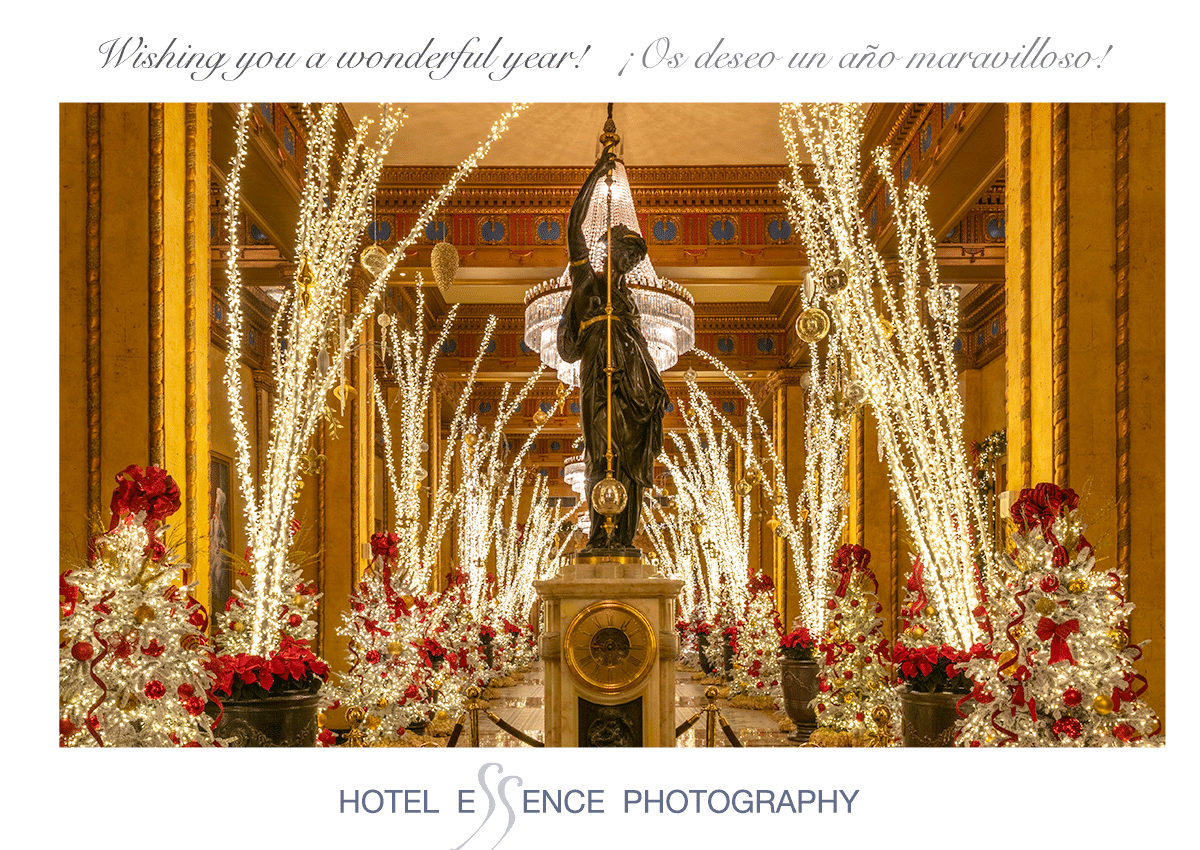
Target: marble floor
[[521, 706]]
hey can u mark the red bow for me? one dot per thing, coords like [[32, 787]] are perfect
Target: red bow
[[1057, 634], [1042, 505]]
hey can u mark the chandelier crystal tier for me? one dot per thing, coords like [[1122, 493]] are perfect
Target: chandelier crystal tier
[[668, 311]]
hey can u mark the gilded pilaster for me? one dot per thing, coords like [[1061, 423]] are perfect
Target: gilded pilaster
[[93, 310], [1060, 204], [1122, 272]]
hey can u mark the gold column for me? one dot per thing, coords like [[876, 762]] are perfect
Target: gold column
[[133, 280], [1085, 381]]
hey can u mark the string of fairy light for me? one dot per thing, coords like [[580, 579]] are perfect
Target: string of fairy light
[[903, 363], [313, 337]]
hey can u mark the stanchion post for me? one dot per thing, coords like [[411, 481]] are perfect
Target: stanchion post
[[710, 721], [472, 692]]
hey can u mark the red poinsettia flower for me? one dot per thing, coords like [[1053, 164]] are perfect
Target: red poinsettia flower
[[326, 738]]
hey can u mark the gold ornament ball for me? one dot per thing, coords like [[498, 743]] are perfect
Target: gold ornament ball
[[881, 714], [1018, 631], [143, 614], [541, 417], [1102, 704], [444, 260], [837, 637], [130, 704], [916, 631], [609, 497], [812, 325], [238, 626], [469, 439], [381, 702], [395, 647], [930, 610], [697, 527], [1118, 639], [743, 487], [1045, 606], [355, 714], [1077, 585], [373, 722], [296, 600], [1007, 662], [189, 642]]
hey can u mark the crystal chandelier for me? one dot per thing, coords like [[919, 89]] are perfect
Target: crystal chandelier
[[668, 314]]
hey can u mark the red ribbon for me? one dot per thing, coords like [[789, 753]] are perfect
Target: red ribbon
[[1022, 675], [850, 558], [68, 592], [916, 584], [92, 673], [1057, 634]]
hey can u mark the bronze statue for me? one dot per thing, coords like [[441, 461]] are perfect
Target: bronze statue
[[639, 397]]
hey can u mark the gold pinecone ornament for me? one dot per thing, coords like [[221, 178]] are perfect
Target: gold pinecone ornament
[[444, 260]]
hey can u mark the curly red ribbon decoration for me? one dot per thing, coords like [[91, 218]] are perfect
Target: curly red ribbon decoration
[[916, 583]]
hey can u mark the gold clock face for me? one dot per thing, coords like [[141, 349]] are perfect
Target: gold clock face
[[609, 646]]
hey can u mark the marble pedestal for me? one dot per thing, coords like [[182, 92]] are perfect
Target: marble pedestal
[[572, 705]]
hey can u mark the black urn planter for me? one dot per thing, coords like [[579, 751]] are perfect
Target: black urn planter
[[927, 719], [799, 682], [727, 655], [487, 654], [282, 720]]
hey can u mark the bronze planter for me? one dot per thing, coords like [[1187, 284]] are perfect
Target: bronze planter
[[799, 681], [284, 720], [927, 720]]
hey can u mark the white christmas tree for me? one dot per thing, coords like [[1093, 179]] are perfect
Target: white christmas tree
[[756, 652], [1062, 671], [855, 673], [132, 648]]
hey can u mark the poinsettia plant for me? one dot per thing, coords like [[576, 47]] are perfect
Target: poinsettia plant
[[798, 645], [291, 668], [703, 628], [935, 669], [486, 633]]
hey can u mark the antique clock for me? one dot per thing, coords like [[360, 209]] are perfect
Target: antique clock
[[609, 646]]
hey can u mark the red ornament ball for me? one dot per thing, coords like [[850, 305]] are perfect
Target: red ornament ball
[[853, 603], [1124, 732], [294, 620], [1069, 726], [1072, 696], [155, 689], [186, 691], [66, 727], [1049, 583], [82, 651], [848, 675], [831, 604], [195, 706], [373, 657]]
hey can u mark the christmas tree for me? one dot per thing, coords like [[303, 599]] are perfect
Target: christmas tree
[[295, 617], [854, 678], [132, 648], [756, 650], [1062, 671]]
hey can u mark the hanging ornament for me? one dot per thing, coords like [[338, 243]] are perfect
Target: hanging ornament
[[809, 286], [1045, 606], [837, 278], [344, 394], [143, 614], [373, 259], [1102, 704], [469, 439], [773, 523], [1077, 585], [608, 497], [690, 375], [856, 393], [812, 325], [743, 487], [886, 328], [304, 282], [324, 362], [444, 260], [541, 418], [1118, 639]]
